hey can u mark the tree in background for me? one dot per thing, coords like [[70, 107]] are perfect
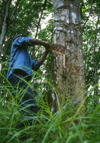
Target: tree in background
[[91, 45], [68, 68], [4, 11]]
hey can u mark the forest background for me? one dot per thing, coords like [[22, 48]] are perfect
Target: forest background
[[36, 18]]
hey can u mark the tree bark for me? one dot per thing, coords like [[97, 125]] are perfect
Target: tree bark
[[3, 20], [68, 68]]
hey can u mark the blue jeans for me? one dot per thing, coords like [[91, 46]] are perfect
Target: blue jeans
[[24, 95]]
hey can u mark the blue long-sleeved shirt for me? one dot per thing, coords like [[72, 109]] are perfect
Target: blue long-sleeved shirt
[[20, 57]]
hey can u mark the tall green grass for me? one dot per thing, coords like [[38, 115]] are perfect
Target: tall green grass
[[60, 127]]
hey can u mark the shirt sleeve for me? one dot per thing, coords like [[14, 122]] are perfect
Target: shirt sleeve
[[21, 41], [35, 65]]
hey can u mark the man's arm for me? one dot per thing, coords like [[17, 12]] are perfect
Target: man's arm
[[43, 57], [34, 41]]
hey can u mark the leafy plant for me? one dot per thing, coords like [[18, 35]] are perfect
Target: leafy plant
[[61, 127]]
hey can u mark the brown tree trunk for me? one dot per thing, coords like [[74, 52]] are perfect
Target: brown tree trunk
[[68, 68]]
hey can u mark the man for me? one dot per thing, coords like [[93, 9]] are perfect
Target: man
[[20, 72]]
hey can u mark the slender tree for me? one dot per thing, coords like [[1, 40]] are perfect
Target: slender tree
[[3, 25], [3, 20], [68, 68]]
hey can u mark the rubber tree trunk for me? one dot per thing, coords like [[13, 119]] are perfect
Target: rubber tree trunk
[[68, 68]]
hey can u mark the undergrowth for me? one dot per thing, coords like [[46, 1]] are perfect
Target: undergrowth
[[60, 127]]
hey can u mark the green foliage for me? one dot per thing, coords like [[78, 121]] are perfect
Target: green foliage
[[70, 124], [91, 47]]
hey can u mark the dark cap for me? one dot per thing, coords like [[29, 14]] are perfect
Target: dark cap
[[16, 36]]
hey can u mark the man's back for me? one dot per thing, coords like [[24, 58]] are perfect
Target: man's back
[[20, 57]]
